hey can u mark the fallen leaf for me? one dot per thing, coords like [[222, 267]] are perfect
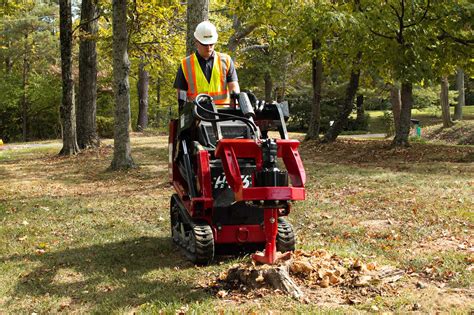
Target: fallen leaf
[[301, 266], [371, 266], [324, 283], [333, 279]]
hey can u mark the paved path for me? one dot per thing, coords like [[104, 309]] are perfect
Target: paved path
[[28, 145], [367, 136]]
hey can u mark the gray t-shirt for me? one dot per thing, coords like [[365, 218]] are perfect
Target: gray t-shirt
[[206, 66]]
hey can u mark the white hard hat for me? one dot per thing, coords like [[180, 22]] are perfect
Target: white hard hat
[[206, 33]]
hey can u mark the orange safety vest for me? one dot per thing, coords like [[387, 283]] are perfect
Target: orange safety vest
[[197, 82]]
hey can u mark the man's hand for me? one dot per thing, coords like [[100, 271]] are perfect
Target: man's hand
[[234, 87]]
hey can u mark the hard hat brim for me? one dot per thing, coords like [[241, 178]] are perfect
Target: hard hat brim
[[205, 41]]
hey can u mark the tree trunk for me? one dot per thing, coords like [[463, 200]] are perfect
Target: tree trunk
[[444, 99], [461, 96], [402, 132], [142, 87], [343, 116], [25, 108], [8, 61], [68, 111], [198, 11], [317, 80], [268, 86], [396, 101], [122, 152], [282, 92], [158, 102], [87, 136], [360, 109]]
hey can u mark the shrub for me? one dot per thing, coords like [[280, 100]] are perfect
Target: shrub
[[389, 123], [105, 127], [300, 113], [354, 124], [429, 97]]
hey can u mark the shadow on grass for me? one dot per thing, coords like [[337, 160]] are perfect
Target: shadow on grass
[[109, 276]]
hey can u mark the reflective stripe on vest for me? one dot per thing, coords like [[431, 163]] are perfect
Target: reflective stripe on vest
[[197, 82]]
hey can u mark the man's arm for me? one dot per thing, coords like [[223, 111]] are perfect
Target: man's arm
[[234, 87], [232, 80]]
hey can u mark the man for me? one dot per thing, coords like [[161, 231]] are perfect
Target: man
[[206, 71]]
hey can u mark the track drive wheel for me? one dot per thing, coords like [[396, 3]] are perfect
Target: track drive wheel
[[285, 240], [202, 244], [195, 239]]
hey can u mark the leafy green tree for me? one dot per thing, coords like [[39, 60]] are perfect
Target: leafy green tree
[[412, 42], [461, 101], [29, 49], [157, 34]]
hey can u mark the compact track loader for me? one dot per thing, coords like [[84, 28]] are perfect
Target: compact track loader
[[234, 184]]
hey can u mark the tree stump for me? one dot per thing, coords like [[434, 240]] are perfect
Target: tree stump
[[274, 277]]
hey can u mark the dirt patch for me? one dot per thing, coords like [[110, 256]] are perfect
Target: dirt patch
[[378, 225], [446, 244]]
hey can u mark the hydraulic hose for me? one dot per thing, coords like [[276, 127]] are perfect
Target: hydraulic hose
[[229, 117]]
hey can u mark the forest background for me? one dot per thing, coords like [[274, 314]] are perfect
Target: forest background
[[326, 58]]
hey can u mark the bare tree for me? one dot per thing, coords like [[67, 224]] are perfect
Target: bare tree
[[122, 152], [461, 96], [343, 115], [444, 99], [142, 87], [87, 136], [25, 105], [395, 100], [403, 130], [68, 112], [317, 80]]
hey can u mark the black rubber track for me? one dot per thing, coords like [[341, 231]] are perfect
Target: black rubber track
[[285, 240], [199, 247]]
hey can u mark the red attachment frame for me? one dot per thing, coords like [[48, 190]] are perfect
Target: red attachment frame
[[230, 150]]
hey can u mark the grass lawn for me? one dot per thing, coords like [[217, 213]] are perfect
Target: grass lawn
[[427, 117], [79, 239]]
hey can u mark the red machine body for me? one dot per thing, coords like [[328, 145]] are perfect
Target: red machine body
[[200, 205]]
